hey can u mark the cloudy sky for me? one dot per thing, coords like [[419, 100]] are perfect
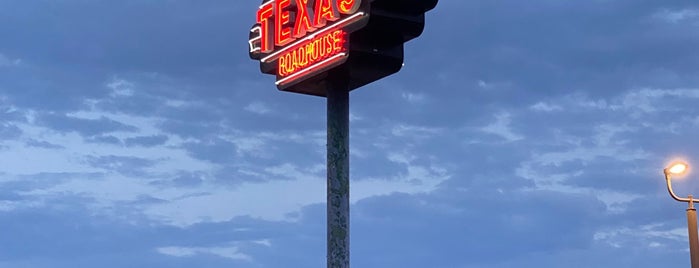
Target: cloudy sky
[[519, 134]]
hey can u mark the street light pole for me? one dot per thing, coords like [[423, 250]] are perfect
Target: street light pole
[[692, 232]]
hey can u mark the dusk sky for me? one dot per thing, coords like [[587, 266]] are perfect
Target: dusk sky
[[139, 133]]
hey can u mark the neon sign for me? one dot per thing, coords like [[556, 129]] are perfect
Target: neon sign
[[311, 53], [298, 39], [310, 45]]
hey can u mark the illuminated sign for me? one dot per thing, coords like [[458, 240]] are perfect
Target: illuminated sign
[[296, 39], [315, 53], [302, 41]]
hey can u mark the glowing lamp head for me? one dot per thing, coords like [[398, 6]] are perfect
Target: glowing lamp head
[[677, 168]]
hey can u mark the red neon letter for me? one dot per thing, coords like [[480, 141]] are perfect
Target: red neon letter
[[303, 20], [282, 35], [338, 40], [324, 12], [348, 6], [263, 16]]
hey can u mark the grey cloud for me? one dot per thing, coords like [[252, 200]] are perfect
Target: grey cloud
[[85, 127], [106, 139], [500, 56], [473, 234], [375, 166], [153, 38], [43, 144], [215, 150], [468, 157], [7, 62], [438, 229], [50, 87], [607, 173], [9, 131], [72, 238], [9, 115], [146, 141], [42, 180], [10, 196], [182, 179], [146, 200], [127, 165], [70, 235], [537, 228], [61, 69], [524, 52]]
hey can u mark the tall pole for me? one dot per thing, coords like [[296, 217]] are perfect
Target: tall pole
[[338, 170], [693, 235]]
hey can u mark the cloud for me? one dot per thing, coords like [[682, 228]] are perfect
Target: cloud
[[223, 252], [403, 130], [146, 141], [215, 150], [71, 236], [545, 107], [9, 131], [43, 144], [677, 16], [183, 179], [414, 97], [501, 128], [7, 62], [104, 139], [127, 165], [443, 223], [83, 126], [120, 88], [258, 108], [529, 128]]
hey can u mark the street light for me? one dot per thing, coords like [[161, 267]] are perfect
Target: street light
[[678, 169]]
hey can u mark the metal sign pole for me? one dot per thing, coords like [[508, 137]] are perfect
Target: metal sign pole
[[338, 171], [320, 65]]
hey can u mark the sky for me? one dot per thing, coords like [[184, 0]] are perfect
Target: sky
[[518, 134]]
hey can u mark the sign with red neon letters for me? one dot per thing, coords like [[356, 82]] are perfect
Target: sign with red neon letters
[[297, 39]]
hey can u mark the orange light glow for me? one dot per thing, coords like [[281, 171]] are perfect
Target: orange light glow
[[678, 168]]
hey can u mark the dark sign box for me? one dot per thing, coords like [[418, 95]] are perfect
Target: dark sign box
[[375, 50]]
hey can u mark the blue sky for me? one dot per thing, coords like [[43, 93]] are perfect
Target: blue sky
[[519, 134]]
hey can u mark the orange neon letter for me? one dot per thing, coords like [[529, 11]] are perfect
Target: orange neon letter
[[348, 6], [303, 19], [324, 12], [282, 35], [263, 16]]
